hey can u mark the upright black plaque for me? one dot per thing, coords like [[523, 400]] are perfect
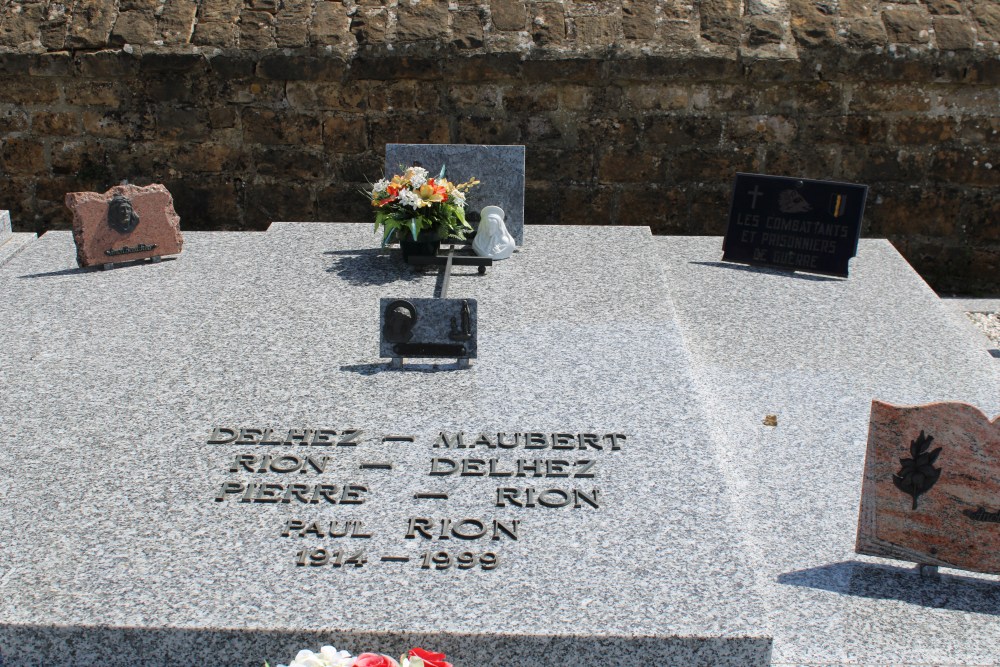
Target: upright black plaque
[[794, 223]]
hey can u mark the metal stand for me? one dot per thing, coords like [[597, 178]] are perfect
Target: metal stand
[[456, 260], [107, 266]]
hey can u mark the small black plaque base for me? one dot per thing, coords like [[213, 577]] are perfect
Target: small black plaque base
[[794, 223]]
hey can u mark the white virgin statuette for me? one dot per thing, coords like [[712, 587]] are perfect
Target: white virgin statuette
[[492, 239]]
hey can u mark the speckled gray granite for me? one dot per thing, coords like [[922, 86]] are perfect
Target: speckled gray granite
[[11, 243], [814, 352], [129, 539], [500, 170]]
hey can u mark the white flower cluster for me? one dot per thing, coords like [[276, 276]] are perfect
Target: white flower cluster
[[411, 199], [457, 197], [328, 656], [418, 176], [380, 186]]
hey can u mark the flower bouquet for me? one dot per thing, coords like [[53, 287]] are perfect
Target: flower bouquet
[[328, 656], [412, 203]]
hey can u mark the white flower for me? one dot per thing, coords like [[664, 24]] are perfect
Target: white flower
[[410, 662], [457, 197], [417, 176], [380, 186], [328, 656], [410, 198]]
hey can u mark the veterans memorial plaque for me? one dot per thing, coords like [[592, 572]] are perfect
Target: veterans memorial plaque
[[794, 223], [126, 223], [931, 491], [499, 169]]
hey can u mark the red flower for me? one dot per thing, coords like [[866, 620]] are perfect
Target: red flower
[[374, 660], [430, 659]]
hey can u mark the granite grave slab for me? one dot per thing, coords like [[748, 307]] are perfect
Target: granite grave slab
[[500, 170], [126, 223], [230, 468], [931, 492], [5, 228], [812, 352]]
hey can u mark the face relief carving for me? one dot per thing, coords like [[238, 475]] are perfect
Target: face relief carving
[[121, 216]]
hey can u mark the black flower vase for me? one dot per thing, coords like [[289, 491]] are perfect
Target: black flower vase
[[427, 245]]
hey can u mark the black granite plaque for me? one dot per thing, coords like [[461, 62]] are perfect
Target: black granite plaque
[[428, 328], [794, 223]]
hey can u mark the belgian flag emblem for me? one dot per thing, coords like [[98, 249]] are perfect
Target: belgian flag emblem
[[838, 204]]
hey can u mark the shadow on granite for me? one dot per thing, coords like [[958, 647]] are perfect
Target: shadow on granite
[[768, 271], [91, 269], [167, 647], [886, 582], [372, 369], [369, 267]]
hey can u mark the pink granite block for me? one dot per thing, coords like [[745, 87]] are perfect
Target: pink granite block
[[931, 491], [126, 223]]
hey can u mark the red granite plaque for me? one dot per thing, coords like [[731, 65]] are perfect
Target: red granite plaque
[[126, 223], [931, 491]]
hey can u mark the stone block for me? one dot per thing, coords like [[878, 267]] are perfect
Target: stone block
[[907, 26], [638, 19], [424, 20], [987, 15], [126, 223], [134, 27], [467, 30], [508, 14], [548, 23], [500, 170], [91, 24]]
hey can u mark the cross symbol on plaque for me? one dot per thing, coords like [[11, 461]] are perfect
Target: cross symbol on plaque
[[754, 193]]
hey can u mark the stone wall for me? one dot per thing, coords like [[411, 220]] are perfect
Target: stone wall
[[633, 112]]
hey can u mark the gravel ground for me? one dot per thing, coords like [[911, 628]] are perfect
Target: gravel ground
[[989, 323]]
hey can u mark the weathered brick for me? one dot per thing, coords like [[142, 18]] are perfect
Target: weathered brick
[[206, 157], [969, 165], [324, 95], [508, 14], [944, 7], [216, 33], [866, 33], [29, 91], [19, 22], [530, 99], [206, 202], [111, 124], [177, 21], [631, 166], [467, 30], [13, 120], [409, 129], [889, 98], [548, 23], [256, 30], [768, 129], [677, 131], [55, 123], [922, 130], [638, 19], [341, 202], [764, 30], [657, 97], [915, 209], [597, 31], [952, 33], [360, 168], [345, 134], [980, 130], [295, 163], [571, 165], [987, 15], [487, 130], [91, 24], [261, 126], [907, 26], [267, 201], [427, 19], [584, 205], [720, 21], [369, 25], [705, 164], [331, 26], [134, 27], [819, 162], [22, 156], [474, 97]]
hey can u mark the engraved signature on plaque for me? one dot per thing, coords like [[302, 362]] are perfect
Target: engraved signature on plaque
[[551, 472], [121, 216]]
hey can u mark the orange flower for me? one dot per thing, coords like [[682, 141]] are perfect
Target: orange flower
[[431, 191]]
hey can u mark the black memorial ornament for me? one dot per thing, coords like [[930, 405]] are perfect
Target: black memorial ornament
[[121, 216], [917, 475]]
